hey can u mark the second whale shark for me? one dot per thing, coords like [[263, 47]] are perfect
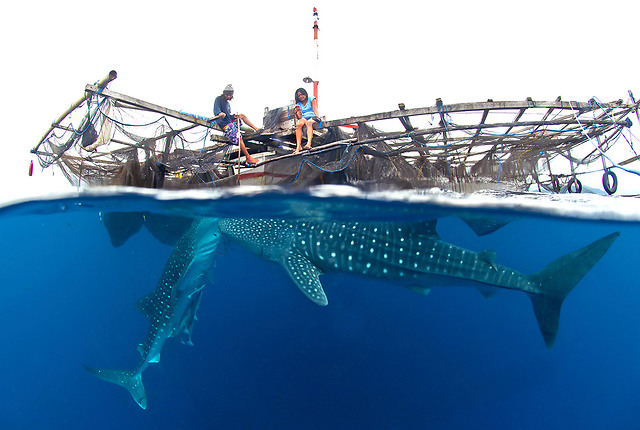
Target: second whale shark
[[171, 308]]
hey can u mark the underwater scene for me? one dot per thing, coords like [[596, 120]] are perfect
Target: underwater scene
[[331, 308]]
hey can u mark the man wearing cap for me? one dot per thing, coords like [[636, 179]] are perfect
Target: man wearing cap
[[226, 121]]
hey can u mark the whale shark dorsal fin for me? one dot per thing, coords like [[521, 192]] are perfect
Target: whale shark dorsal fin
[[486, 291], [490, 257], [306, 276]]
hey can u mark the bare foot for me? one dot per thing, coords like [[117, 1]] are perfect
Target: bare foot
[[307, 147], [251, 162]]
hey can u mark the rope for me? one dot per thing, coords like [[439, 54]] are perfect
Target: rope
[[130, 125], [584, 132], [596, 101], [90, 121], [326, 170]]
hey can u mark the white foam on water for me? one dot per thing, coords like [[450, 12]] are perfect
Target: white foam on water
[[334, 201]]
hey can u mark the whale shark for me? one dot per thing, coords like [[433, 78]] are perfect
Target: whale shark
[[410, 254], [171, 308]]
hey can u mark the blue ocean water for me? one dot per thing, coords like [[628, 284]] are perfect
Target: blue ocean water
[[378, 356]]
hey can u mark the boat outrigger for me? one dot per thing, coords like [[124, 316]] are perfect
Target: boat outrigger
[[107, 138]]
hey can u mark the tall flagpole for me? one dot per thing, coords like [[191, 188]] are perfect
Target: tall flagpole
[[315, 41]]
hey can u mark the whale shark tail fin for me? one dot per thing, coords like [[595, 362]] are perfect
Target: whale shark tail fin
[[557, 280], [128, 379]]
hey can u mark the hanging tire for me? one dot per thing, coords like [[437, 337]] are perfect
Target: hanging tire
[[578, 185], [610, 186]]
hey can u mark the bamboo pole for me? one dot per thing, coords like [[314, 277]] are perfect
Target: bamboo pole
[[101, 83], [123, 98], [478, 106]]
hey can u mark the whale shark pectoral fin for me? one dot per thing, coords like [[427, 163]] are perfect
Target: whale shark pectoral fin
[[167, 229], [421, 290], [185, 327], [306, 276], [490, 257], [486, 291], [122, 225], [197, 288], [483, 225]]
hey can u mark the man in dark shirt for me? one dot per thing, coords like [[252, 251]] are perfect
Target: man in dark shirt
[[226, 121]]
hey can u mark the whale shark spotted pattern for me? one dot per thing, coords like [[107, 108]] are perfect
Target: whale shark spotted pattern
[[411, 254], [171, 308]]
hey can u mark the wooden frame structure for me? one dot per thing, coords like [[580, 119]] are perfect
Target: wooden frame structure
[[512, 143]]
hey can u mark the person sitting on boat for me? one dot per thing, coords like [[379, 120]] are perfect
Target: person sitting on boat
[[307, 114], [226, 121]]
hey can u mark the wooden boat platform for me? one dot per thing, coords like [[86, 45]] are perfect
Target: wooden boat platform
[[108, 138]]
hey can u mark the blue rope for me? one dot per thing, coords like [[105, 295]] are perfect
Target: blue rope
[[610, 117], [443, 111], [326, 170], [91, 120], [201, 180], [204, 141], [635, 172]]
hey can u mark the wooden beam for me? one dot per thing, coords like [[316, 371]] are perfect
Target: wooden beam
[[404, 120], [450, 128], [630, 160], [582, 106], [312, 151], [485, 113], [149, 106], [517, 118], [505, 135]]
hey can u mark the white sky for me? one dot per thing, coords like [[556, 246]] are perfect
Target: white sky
[[373, 54]]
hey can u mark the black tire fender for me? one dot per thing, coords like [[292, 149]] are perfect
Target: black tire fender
[[577, 183], [610, 186]]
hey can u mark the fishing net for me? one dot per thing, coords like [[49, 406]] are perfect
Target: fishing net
[[111, 140]]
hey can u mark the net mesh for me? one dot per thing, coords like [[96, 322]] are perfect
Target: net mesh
[[109, 142]]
